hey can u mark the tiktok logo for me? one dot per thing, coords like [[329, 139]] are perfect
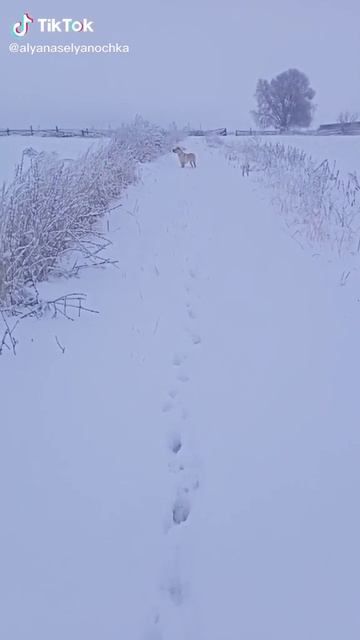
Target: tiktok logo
[[21, 28], [52, 25]]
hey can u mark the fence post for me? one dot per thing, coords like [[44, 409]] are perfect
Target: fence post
[[31, 130], [57, 130]]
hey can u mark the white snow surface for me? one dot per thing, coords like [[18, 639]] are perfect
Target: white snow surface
[[11, 148], [344, 150], [216, 332]]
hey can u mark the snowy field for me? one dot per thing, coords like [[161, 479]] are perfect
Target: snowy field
[[345, 150], [11, 148], [342, 149], [188, 468]]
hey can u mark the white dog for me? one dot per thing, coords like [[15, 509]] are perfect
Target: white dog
[[185, 157]]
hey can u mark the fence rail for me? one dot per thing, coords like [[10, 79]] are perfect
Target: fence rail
[[208, 132], [253, 132], [272, 132], [323, 130], [58, 132]]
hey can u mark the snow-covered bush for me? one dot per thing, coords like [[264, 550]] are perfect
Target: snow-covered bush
[[319, 204], [144, 141], [50, 207], [2, 279]]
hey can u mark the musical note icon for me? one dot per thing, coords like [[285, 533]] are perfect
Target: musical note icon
[[21, 28]]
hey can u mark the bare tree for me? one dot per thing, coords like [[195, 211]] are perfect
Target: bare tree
[[285, 101], [347, 117]]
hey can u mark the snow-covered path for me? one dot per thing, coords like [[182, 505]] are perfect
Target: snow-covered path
[[188, 468]]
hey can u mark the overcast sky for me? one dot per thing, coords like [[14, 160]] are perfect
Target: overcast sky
[[191, 61]]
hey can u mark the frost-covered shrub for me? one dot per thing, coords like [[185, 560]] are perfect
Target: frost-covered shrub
[[2, 279], [319, 204], [51, 205], [144, 141]]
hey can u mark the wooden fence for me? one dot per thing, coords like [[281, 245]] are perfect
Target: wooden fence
[[340, 128], [253, 132], [208, 132], [324, 130], [352, 128], [272, 132], [58, 132]]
